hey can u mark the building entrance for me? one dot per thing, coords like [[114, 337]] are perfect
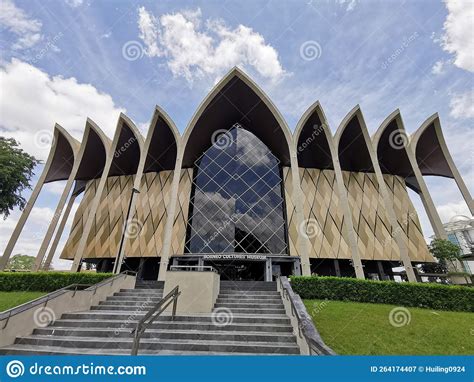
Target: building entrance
[[239, 271]]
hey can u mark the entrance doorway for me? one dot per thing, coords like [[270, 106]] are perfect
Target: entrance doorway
[[239, 270]]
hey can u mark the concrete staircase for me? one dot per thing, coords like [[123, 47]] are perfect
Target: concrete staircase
[[248, 318]]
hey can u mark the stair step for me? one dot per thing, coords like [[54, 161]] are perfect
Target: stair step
[[175, 325], [248, 301], [19, 349], [140, 291], [257, 311], [121, 316], [249, 293], [133, 298], [238, 305], [149, 302], [162, 344], [248, 336]]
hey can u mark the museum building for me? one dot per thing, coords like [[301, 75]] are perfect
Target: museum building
[[240, 192]]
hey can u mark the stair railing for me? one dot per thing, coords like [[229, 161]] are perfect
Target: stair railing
[[152, 314], [43, 300], [306, 328]]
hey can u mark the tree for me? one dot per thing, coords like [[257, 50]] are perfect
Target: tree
[[445, 251], [21, 263], [16, 170]]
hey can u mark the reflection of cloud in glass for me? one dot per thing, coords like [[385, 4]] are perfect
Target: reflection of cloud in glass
[[237, 203]]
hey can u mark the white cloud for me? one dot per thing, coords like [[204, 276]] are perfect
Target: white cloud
[[449, 210], [74, 3], [194, 49], [458, 37], [462, 105], [349, 4], [49, 99], [438, 67], [16, 21]]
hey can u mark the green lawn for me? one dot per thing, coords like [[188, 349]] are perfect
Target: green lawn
[[365, 329], [10, 299]]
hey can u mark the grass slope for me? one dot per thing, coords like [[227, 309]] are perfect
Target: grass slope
[[365, 329], [11, 299]]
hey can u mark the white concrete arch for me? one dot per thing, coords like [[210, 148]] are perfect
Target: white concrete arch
[[355, 120], [399, 142], [283, 151], [144, 165], [317, 108], [436, 159], [120, 160], [58, 166]]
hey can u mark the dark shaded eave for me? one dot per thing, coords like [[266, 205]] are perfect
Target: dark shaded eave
[[93, 153], [391, 143], [65, 148], [236, 100], [162, 150], [429, 153], [312, 146], [351, 145], [126, 155]]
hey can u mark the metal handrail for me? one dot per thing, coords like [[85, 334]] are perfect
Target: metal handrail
[[306, 328], [199, 268], [7, 314], [152, 314]]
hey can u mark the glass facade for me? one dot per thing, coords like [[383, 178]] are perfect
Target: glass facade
[[236, 202]]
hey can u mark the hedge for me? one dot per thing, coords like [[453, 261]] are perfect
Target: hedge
[[46, 281], [434, 296]]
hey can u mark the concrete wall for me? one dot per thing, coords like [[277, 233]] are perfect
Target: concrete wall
[[199, 290]]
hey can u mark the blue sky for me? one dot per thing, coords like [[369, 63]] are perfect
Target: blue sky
[[62, 61]]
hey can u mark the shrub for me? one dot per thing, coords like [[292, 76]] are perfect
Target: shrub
[[46, 281], [434, 296]]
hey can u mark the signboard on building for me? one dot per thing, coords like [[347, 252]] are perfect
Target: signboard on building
[[234, 257]]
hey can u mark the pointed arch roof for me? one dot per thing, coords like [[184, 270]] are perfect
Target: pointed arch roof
[[65, 149], [93, 152], [236, 99], [431, 151], [127, 147], [391, 144], [313, 139], [351, 143], [161, 143]]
